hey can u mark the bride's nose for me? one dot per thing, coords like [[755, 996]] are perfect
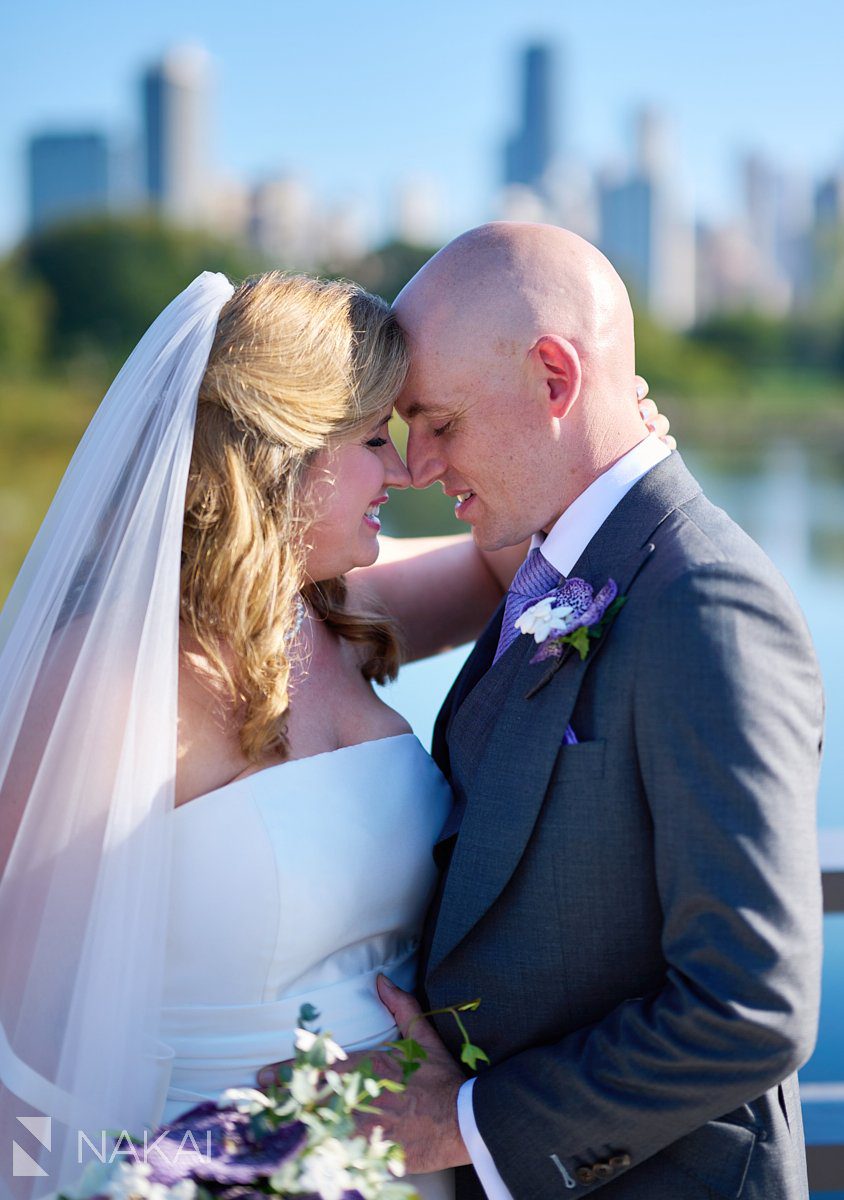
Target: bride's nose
[[396, 474]]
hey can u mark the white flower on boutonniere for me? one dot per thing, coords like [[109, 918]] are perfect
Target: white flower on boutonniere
[[544, 618]]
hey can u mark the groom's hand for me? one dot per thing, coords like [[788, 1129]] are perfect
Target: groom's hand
[[423, 1118]]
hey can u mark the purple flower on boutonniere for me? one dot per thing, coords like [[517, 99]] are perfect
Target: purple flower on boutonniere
[[572, 615]]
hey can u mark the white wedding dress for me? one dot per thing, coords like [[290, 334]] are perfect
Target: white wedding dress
[[297, 884]]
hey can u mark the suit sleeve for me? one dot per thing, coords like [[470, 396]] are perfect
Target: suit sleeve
[[728, 716]]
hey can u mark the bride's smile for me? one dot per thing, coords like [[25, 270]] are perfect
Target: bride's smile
[[348, 487]]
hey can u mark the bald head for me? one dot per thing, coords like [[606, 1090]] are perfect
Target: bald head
[[513, 282], [521, 387]]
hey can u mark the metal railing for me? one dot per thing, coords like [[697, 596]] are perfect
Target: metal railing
[[826, 1162], [832, 866]]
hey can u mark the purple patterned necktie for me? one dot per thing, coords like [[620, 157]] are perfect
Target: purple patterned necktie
[[535, 578]]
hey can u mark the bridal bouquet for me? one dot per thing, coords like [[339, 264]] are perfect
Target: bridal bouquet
[[297, 1138]]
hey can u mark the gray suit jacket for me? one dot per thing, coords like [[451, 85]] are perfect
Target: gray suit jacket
[[640, 914]]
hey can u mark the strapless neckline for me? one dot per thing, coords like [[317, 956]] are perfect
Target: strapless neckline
[[293, 762]]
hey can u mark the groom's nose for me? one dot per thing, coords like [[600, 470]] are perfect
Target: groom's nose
[[424, 460]]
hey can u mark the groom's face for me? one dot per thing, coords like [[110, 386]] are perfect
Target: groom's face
[[479, 430]]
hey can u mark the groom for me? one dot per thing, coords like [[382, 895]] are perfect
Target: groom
[[629, 878]]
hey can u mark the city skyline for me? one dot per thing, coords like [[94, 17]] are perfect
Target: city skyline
[[355, 103], [772, 255]]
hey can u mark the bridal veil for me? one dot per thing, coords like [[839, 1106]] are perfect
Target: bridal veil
[[88, 709]]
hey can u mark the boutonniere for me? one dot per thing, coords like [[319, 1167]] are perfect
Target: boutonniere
[[572, 615]]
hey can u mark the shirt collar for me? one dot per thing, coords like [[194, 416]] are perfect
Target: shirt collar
[[574, 530]]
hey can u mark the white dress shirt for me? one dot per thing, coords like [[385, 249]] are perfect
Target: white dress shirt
[[563, 546]]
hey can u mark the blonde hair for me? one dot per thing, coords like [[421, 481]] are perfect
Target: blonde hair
[[297, 365]]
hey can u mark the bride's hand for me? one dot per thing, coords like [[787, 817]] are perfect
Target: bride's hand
[[653, 418]]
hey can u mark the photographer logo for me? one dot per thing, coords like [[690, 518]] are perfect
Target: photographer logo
[[23, 1164]]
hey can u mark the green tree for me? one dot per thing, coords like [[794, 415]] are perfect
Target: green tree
[[385, 271], [24, 312], [109, 277], [675, 365], [748, 337], [809, 341]]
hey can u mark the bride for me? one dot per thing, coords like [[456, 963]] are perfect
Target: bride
[[207, 815]]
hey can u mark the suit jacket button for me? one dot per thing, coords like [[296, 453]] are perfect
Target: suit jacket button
[[585, 1175], [619, 1161], [602, 1170]]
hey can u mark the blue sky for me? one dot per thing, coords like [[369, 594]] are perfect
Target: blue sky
[[357, 96]]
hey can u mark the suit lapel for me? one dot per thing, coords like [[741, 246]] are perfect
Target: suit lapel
[[479, 661], [488, 685], [473, 670], [511, 782], [530, 717]]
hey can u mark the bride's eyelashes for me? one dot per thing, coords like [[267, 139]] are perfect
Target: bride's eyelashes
[[377, 441]]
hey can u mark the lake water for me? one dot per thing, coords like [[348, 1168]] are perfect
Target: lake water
[[792, 502]]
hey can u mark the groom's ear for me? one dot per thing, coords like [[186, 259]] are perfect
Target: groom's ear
[[558, 363]]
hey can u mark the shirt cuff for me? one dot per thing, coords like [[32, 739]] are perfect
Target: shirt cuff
[[485, 1169]]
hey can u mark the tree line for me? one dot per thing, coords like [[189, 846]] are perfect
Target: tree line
[[85, 291]]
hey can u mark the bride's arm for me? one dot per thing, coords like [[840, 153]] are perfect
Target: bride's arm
[[441, 590]]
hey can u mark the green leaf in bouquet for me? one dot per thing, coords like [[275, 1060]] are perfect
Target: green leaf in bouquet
[[410, 1056], [308, 1014], [410, 1049], [472, 1055], [393, 1085], [469, 1006], [285, 1074]]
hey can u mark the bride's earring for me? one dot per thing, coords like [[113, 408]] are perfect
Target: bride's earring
[[301, 613]]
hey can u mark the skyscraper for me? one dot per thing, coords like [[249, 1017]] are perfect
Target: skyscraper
[[629, 223], [283, 222], [762, 188], [68, 176], [175, 118], [531, 150], [777, 217], [643, 233], [829, 201], [826, 241]]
